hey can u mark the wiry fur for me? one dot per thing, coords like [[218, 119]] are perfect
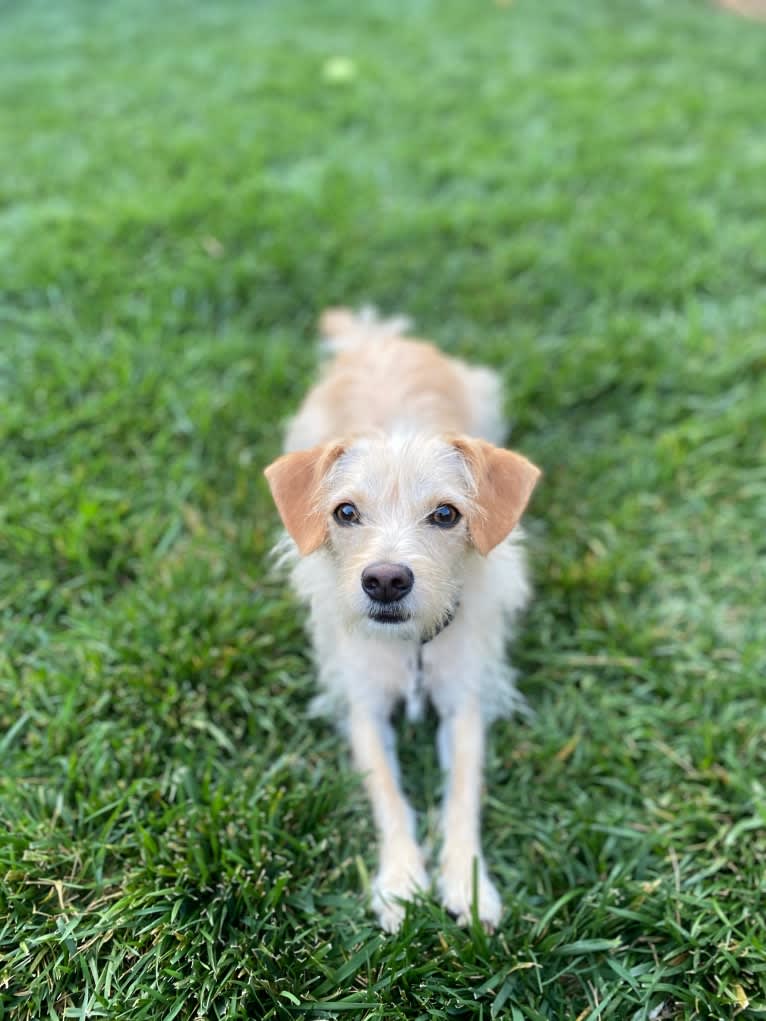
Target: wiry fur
[[391, 408]]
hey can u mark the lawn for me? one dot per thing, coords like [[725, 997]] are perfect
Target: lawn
[[573, 193]]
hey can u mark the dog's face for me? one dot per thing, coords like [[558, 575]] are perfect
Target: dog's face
[[399, 515]]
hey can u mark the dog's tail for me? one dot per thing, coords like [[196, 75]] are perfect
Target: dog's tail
[[342, 329]]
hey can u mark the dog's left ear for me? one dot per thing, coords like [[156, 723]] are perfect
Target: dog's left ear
[[296, 481], [504, 483]]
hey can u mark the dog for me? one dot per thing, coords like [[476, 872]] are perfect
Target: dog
[[402, 518]]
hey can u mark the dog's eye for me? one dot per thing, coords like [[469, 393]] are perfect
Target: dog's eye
[[346, 514], [445, 516]]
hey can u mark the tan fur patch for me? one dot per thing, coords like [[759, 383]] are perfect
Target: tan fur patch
[[504, 483], [295, 480], [388, 382]]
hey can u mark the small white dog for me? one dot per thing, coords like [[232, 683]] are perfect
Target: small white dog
[[404, 518]]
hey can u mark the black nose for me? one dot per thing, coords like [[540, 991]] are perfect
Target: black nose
[[385, 583]]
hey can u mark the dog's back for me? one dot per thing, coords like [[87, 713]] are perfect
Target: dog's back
[[380, 379]]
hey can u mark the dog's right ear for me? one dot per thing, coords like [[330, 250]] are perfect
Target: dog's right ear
[[296, 481]]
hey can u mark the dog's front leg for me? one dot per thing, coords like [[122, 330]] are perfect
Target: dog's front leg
[[462, 868], [400, 872]]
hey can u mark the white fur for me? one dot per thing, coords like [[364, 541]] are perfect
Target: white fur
[[396, 476]]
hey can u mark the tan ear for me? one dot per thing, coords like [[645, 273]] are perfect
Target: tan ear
[[504, 484], [295, 480]]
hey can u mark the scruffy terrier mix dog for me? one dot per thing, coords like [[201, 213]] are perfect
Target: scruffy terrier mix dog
[[403, 518]]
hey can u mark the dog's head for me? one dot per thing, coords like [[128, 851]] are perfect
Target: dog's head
[[399, 516]]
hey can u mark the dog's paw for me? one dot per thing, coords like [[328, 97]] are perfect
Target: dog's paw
[[394, 885], [456, 888]]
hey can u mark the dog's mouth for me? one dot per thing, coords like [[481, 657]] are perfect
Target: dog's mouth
[[389, 614]]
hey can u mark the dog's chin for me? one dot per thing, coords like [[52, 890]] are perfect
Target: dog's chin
[[390, 623]]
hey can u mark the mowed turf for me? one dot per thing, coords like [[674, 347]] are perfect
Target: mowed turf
[[573, 193]]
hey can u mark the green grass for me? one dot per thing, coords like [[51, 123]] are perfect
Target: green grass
[[573, 193]]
